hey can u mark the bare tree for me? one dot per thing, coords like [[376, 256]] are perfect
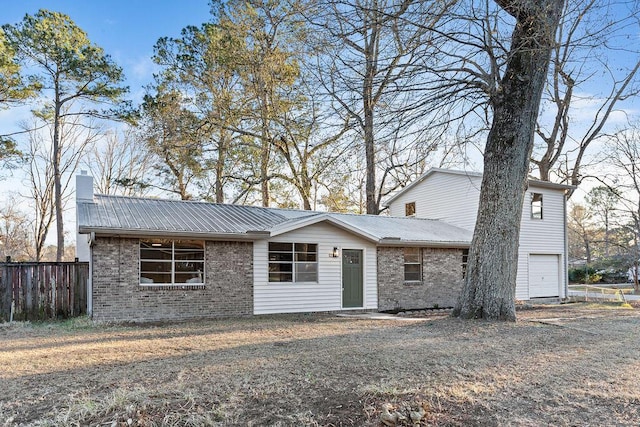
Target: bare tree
[[15, 233], [40, 175], [590, 35], [602, 201], [490, 282], [76, 137], [373, 66], [623, 150], [581, 232], [120, 164]]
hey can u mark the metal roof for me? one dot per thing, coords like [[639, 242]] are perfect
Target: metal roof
[[125, 215], [118, 215], [403, 230]]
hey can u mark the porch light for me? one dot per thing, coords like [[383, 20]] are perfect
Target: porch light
[[334, 253]]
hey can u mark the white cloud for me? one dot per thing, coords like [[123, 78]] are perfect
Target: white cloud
[[143, 68]]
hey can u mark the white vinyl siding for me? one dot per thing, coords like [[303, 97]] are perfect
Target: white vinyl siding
[[541, 237], [326, 294], [454, 198]]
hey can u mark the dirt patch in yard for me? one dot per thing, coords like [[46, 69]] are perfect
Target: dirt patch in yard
[[574, 364]]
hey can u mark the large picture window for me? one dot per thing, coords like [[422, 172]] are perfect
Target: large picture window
[[293, 262], [170, 262], [412, 265]]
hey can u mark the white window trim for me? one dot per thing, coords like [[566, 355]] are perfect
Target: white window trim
[[404, 264]]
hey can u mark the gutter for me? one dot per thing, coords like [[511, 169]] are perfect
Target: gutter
[[396, 241], [250, 235], [566, 249], [92, 239]]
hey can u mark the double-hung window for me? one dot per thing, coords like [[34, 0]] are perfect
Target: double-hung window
[[412, 265], [171, 262], [293, 262]]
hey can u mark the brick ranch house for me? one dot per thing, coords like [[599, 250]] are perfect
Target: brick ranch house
[[153, 259]]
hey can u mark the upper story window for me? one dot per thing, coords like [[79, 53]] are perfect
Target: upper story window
[[410, 209], [293, 262], [412, 265], [536, 206], [171, 262]]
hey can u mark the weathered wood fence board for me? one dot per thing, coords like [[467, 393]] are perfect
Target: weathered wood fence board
[[44, 290]]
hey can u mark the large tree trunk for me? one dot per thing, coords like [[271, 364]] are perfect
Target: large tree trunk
[[369, 142], [220, 166], [57, 178], [264, 170], [489, 288], [368, 107]]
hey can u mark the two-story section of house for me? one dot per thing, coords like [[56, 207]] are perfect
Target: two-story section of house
[[453, 196]]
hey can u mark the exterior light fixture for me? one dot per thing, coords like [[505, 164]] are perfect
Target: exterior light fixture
[[334, 253]]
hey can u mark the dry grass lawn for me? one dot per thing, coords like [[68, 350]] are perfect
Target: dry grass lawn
[[568, 365]]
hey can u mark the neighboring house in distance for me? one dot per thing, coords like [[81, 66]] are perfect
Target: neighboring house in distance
[[453, 196], [153, 259]]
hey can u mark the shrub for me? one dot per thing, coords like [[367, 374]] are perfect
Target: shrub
[[584, 275]]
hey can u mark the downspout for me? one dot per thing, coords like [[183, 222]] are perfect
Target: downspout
[[92, 237], [566, 248]]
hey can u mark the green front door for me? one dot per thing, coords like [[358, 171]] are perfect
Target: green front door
[[351, 278]]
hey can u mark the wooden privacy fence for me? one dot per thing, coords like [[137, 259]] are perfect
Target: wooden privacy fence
[[43, 290]]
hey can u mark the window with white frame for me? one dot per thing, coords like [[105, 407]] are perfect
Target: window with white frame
[[293, 262], [536, 206], [412, 265], [171, 262]]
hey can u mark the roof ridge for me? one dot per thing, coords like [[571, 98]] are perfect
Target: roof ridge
[[385, 216], [199, 202], [309, 212]]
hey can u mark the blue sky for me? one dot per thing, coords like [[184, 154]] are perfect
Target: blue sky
[[126, 30]]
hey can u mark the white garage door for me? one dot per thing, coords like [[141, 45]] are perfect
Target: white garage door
[[544, 277]]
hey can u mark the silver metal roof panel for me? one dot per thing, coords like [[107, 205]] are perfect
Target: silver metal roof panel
[[132, 213], [142, 216]]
